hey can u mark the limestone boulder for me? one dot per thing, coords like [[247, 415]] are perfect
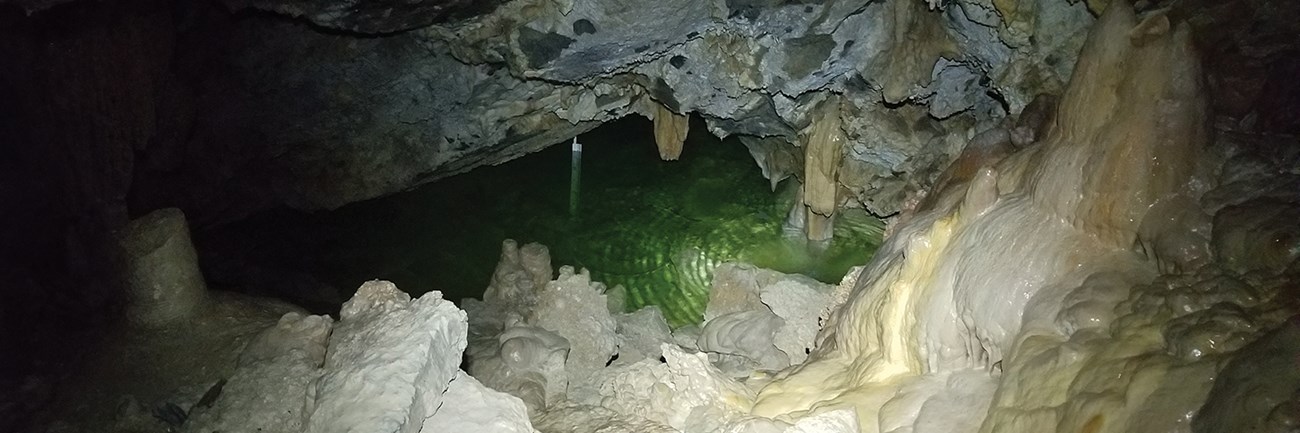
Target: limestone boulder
[[575, 307], [468, 406], [526, 362], [389, 361], [641, 333], [269, 390]]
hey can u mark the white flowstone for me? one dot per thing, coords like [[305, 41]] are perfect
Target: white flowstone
[[468, 406], [268, 392], [1021, 285], [640, 335], [685, 393], [752, 311], [389, 361], [748, 334], [836, 421], [799, 303], [520, 274], [526, 362], [574, 307]]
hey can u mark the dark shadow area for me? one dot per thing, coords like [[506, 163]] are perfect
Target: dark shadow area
[[656, 227]]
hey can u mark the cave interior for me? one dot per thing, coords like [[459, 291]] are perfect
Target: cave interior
[[610, 216]]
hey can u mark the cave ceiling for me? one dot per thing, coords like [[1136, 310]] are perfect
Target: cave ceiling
[[317, 104]]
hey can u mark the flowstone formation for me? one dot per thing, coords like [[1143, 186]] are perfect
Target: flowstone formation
[[1070, 286]]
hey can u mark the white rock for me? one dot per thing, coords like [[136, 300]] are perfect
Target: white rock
[[520, 274], [687, 336], [836, 421], [268, 391], [746, 303], [686, 393], [735, 289], [799, 302], [390, 359], [641, 333], [527, 362], [578, 418], [748, 334], [468, 406], [574, 307]]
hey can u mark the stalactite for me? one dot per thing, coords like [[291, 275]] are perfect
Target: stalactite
[[823, 150], [919, 39], [670, 132]]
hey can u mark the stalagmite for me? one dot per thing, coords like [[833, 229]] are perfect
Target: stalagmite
[[162, 270], [670, 132], [824, 148]]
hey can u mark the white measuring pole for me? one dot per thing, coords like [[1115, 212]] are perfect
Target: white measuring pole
[[575, 176]]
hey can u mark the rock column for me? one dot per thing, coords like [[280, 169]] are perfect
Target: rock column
[[163, 281], [824, 148]]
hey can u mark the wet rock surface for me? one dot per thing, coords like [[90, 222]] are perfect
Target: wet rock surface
[[326, 119]]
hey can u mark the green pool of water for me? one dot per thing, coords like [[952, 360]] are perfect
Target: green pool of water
[[655, 227]]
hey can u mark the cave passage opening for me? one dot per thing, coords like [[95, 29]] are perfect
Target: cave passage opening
[[658, 228]]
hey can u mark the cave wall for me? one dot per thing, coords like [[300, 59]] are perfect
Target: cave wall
[[325, 111], [225, 109]]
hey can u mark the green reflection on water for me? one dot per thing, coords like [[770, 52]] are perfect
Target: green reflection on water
[[658, 228]]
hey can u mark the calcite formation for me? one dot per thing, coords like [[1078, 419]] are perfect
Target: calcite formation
[[641, 334], [470, 406], [390, 364], [765, 319], [670, 132], [824, 148], [387, 365], [178, 341], [1027, 271], [161, 270], [574, 307], [269, 390], [525, 361], [685, 392], [1085, 262], [520, 274]]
